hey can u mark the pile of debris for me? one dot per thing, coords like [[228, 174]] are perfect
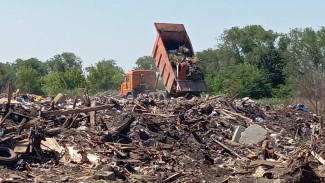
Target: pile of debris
[[209, 139], [184, 55]]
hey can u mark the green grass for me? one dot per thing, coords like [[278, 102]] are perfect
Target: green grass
[[272, 101]]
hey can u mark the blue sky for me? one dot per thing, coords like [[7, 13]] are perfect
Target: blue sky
[[124, 30]]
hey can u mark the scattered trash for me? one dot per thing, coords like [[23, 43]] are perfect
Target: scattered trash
[[302, 107], [102, 138]]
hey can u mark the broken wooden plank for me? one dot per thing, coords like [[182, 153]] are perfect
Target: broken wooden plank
[[74, 120], [197, 137], [172, 177], [92, 115], [124, 125], [162, 115], [21, 146], [23, 124], [74, 111], [227, 148], [51, 144], [22, 115], [67, 122], [75, 102], [120, 153], [9, 93], [123, 146], [318, 157], [59, 98], [226, 112], [53, 131], [4, 119]]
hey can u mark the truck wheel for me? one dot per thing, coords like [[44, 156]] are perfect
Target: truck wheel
[[130, 96], [162, 96], [7, 156], [152, 96]]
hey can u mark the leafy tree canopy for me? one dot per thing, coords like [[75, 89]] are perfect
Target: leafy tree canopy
[[104, 75], [145, 63], [33, 63], [7, 74], [63, 62], [28, 80]]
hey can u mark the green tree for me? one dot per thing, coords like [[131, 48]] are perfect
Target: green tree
[[255, 46], [7, 74], [304, 50], [74, 78], [63, 82], [242, 80], [33, 63], [28, 80], [63, 62], [53, 83], [209, 61], [145, 63], [104, 75]]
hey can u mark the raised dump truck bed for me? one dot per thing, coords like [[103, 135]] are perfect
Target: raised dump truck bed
[[172, 37]]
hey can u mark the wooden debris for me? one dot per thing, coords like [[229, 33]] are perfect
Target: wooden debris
[[92, 115], [21, 146], [166, 146], [9, 93], [120, 153], [75, 111], [252, 156], [226, 112], [173, 177], [228, 149], [51, 144], [59, 98], [318, 157], [4, 118]]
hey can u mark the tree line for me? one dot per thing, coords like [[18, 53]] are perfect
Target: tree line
[[62, 73], [255, 62], [248, 61]]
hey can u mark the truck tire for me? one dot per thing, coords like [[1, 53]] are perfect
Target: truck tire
[[152, 96], [7, 156], [162, 96], [130, 96]]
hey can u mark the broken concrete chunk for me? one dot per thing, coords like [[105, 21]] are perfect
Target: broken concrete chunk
[[218, 160], [75, 156], [237, 133], [253, 135], [104, 175], [92, 158]]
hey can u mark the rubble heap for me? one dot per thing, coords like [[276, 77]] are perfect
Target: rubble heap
[[183, 55], [211, 139]]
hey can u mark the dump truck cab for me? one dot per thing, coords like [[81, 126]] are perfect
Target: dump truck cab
[[138, 81]]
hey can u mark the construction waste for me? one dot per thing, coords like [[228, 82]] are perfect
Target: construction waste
[[183, 55], [208, 139]]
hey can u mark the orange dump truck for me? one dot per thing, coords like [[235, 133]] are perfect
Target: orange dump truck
[[176, 65]]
